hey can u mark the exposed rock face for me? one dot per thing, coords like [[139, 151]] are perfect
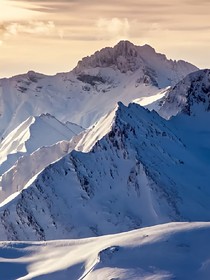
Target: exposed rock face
[[126, 57]]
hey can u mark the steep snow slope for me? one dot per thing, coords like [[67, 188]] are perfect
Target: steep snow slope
[[189, 101], [190, 96], [31, 147], [169, 251], [154, 102], [84, 95], [140, 173], [86, 140], [28, 166], [33, 133]]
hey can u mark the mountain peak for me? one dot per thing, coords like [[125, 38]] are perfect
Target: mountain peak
[[127, 57], [124, 43], [126, 48], [123, 56]]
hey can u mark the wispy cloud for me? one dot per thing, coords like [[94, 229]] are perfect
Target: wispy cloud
[[113, 28], [16, 30], [31, 27], [46, 6]]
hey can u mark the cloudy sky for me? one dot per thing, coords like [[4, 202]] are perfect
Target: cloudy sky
[[51, 36]]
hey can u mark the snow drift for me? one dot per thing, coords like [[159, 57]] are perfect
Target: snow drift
[[170, 251]]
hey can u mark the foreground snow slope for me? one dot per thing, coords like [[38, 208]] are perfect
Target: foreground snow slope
[[82, 96], [164, 252], [142, 172]]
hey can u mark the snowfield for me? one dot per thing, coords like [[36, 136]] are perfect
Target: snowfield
[[164, 252]]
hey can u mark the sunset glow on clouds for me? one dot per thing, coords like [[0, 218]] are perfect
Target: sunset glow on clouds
[[51, 36]]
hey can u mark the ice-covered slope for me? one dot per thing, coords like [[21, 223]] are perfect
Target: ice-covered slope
[[140, 173], [84, 95], [190, 96], [169, 251]]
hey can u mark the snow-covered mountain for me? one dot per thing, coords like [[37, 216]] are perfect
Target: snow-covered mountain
[[140, 172], [153, 68], [131, 168], [169, 251], [32, 134], [190, 96], [29, 148], [28, 166], [93, 88]]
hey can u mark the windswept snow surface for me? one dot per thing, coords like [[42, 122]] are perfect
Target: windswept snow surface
[[164, 252]]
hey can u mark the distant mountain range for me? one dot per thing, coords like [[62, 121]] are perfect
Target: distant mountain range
[[140, 162], [81, 157], [93, 88]]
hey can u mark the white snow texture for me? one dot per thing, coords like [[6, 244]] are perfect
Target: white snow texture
[[94, 186]]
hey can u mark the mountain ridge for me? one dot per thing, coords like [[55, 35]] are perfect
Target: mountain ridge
[[189, 94], [84, 97], [132, 168], [141, 163], [124, 49]]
